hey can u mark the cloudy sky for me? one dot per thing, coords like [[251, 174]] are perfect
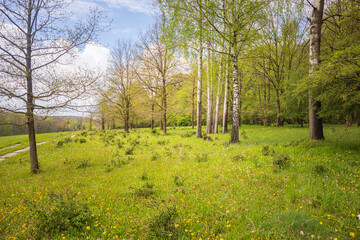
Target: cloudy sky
[[128, 17]]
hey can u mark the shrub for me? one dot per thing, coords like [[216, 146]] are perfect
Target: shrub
[[60, 144], [202, 158], [61, 213], [146, 190], [163, 225], [154, 157], [82, 140], [178, 180], [162, 142], [188, 134], [119, 144], [144, 176], [281, 160], [266, 151], [320, 169], [129, 150], [84, 164]]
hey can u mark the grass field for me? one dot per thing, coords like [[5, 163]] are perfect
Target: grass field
[[274, 184], [22, 141]]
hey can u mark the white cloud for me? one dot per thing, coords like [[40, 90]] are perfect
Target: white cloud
[[93, 56]]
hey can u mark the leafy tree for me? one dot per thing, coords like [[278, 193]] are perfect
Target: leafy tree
[[33, 39], [340, 71]]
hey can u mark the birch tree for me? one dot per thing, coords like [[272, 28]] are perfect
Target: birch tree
[[315, 122]]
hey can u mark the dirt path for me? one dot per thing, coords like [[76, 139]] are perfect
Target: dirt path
[[17, 151], [9, 147]]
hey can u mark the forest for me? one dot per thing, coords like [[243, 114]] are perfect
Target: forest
[[238, 62]]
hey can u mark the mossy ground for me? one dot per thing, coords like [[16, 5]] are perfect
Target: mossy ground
[[274, 184]]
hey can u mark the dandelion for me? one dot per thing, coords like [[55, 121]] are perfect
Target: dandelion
[[321, 223], [352, 234], [87, 227]]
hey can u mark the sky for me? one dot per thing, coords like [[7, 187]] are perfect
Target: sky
[[126, 17]]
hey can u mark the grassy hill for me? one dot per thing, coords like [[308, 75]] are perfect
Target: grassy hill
[[274, 184]]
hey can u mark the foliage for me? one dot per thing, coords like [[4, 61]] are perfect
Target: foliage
[[62, 212], [163, 224]]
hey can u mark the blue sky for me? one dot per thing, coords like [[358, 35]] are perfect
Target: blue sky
[[128, 17]]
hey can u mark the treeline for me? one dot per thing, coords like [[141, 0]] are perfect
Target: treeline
[[242, 62], [42, 125]]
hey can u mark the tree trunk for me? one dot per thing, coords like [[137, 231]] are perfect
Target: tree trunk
[[152, 116], [199, 85], [209, 97], [193, 105], [127, 117], [278, 120], [236, 115], [217, 104], [164, 106], [34, 164], [315, 123], [102, 123], [226, 104]]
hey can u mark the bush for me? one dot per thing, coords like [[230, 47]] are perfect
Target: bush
[[146, 190], [266, 151], [202, 158], [320, 169], [178, 180], [84, 164], [82, 140], [60, 144], [163, 225], [115, 164], [129, 150], [281, 160], [61, 213]]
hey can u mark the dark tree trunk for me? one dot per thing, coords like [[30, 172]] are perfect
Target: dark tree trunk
[[102, 123], [315, 122], [279, 121], [236, 103], [164, 106], [34, 164], [127, 117], [152, 116]]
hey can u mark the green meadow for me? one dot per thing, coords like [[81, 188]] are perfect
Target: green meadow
[[273, 184]]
